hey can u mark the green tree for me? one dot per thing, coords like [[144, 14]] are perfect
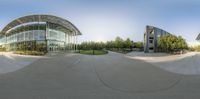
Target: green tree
[[128, 43], [138, 45], [118, 43], [91, 46], [171, 42], [109, 45]]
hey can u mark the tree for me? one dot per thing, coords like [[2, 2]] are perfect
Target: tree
[[128, 44], [110, 45], [91, 46], [118, 43], [182, 43], [138, 45], [171, 42]]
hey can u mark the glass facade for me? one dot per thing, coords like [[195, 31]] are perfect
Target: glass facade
[[56, 40], [40, 33], [26, 38], [2, 40]]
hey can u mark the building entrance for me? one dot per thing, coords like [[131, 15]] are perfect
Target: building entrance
[[54, 46]]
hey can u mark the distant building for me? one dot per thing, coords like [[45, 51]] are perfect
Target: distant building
[[197, 43], [151, 36], [198, 37]]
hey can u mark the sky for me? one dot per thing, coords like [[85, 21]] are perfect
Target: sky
[[103, 20]]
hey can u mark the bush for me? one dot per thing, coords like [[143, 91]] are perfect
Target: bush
[[196, 48], [2, 49], [93, 52], [29, 53], [170, 43]]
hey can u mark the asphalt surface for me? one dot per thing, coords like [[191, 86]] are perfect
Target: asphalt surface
[[112, 76]]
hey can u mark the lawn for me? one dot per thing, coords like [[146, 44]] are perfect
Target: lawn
[[123, 51], [96, 52]]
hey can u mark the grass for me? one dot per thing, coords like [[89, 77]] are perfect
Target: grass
[[123, 51], [96, 52]]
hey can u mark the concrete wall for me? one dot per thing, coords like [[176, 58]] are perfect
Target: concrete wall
[[151, 37]]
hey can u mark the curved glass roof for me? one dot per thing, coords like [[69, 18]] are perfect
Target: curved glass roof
[[41, 18]]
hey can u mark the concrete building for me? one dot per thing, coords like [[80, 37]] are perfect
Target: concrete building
[[198, 37], [151, 36], [39, 33]]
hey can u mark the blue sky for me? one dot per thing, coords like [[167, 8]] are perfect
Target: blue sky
[[101, 20]]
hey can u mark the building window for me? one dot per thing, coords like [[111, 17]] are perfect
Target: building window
[[151, 48], [151, 41], [150, 37]]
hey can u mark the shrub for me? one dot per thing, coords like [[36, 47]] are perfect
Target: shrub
[[29, 53]]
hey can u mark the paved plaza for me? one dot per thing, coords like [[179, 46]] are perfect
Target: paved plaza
[[186, 64], [111, 76]]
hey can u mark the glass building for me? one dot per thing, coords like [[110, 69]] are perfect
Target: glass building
[[151, 37], [42, 33]]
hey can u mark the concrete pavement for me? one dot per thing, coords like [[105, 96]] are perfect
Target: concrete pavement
[[186, 64], [112, 76], [11, 62]]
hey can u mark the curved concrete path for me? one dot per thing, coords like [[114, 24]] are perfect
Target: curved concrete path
[[11, 62], [187, 64], [123, 74], [112, 76]]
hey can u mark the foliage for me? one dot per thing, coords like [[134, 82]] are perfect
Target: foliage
[[96, 52], [119, 45], [91, 46], [138, 45], [29, 53], [128, 43], [171, 43], [196, 48], [2, 49]]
